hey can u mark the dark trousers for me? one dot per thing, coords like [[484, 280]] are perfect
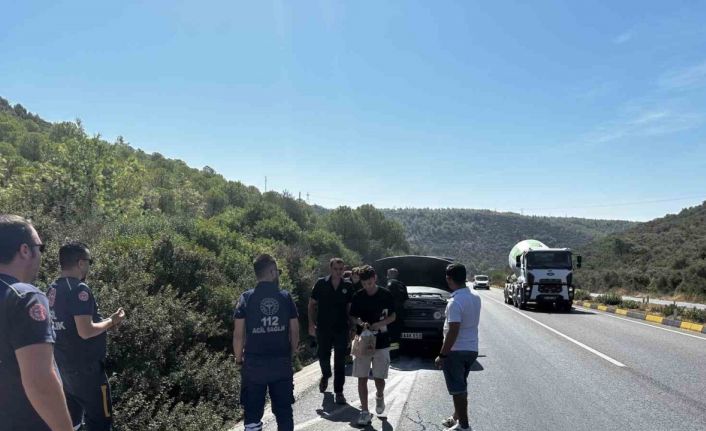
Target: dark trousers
[[260, 375], [338, 341], [88, 397]]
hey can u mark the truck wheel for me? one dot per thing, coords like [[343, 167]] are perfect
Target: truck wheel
[[522, 303]]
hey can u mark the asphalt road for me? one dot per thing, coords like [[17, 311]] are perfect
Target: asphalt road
[[538, 370]]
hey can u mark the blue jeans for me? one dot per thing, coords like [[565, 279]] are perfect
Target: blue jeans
[[456, 368]]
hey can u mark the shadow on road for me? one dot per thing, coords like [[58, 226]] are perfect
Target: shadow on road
[[332, 412]]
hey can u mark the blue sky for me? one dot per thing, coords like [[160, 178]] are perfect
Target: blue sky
[[591, 109]]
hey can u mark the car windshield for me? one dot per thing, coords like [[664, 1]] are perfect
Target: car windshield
[[481, 278], [549, 260]]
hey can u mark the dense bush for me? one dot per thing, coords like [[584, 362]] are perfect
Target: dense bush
[[609, 298], [174, 246], [582, 295]]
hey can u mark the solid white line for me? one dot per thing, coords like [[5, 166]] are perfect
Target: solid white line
[[627, 319], [578, 343]]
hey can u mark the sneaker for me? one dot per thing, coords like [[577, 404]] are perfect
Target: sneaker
[[379, 405], [449, 422], [323, 384], [458, 427], [365, 418], [340, 399]]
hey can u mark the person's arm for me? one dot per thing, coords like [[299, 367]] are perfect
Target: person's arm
[[294, 334], [450, 339], [87, 328], [384, 322], [43, 386], [312, 309], [239, 340]]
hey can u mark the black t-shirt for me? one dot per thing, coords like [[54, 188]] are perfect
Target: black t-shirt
[[267, 311], [398, 291], [374, 308], [70, 297], [332, 304], [24, 321]]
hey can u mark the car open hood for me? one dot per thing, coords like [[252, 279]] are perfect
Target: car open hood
[[415, 270]]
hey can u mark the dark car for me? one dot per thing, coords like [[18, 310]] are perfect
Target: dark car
[[425, 310]]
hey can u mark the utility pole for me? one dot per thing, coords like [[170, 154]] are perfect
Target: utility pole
[[300, 196], [307, 197]]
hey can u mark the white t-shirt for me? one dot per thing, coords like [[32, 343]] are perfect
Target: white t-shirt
[[464, 307]]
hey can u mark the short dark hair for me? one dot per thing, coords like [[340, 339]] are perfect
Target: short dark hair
[[335, 260], [366, 272], [456, 272], [71, 252], [262, 264], [14, 231]]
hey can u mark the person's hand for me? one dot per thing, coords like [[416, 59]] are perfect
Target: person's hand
[[365, 325], [439, 362], [118, 317], [238, 361], [312, 330]]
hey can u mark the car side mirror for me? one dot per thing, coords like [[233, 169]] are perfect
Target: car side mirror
[[518, 261], [578, 261]]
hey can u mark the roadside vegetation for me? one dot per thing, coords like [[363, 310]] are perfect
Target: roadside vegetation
[[689, 314], [174, 246], [665, 257]]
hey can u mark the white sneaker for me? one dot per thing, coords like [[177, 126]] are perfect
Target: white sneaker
[[458, 427], [379, 404], [365, 418]]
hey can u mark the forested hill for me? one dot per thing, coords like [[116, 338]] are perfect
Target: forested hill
[[482, 239], [665, 256], [173, 245]]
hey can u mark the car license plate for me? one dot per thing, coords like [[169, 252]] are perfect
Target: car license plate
[[411, 335]]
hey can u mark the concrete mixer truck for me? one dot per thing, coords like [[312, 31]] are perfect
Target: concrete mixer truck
[[544, 276]]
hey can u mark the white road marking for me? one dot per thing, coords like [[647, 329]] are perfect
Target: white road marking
[[627, 319], [578, 343]]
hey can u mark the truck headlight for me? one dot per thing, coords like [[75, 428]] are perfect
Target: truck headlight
[[438, 315]]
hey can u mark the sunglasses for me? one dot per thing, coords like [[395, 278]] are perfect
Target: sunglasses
[[42, 247]]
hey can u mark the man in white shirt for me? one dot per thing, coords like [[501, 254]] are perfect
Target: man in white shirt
[[460, 348]]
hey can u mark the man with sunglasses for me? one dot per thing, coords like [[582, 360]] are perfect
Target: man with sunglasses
[[30, 388], [81, 340], [265, 339]]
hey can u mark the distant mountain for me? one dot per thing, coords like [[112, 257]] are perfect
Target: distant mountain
[[663, 256], [482, 239]]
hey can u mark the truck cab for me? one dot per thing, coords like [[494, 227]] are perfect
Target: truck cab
[[545, 277]]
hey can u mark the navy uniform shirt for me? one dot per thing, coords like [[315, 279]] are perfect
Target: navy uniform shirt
[[332, 304], [266, 310], [24, 321], [69, 297]]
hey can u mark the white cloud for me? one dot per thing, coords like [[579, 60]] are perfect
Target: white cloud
[[623, 37], [647, 123], [689, 77]]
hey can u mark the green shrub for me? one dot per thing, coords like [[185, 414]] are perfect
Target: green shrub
[[582, 295], [609, 298], [693, 314], [627, 303]]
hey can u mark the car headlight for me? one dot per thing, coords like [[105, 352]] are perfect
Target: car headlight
[[438, 315]]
